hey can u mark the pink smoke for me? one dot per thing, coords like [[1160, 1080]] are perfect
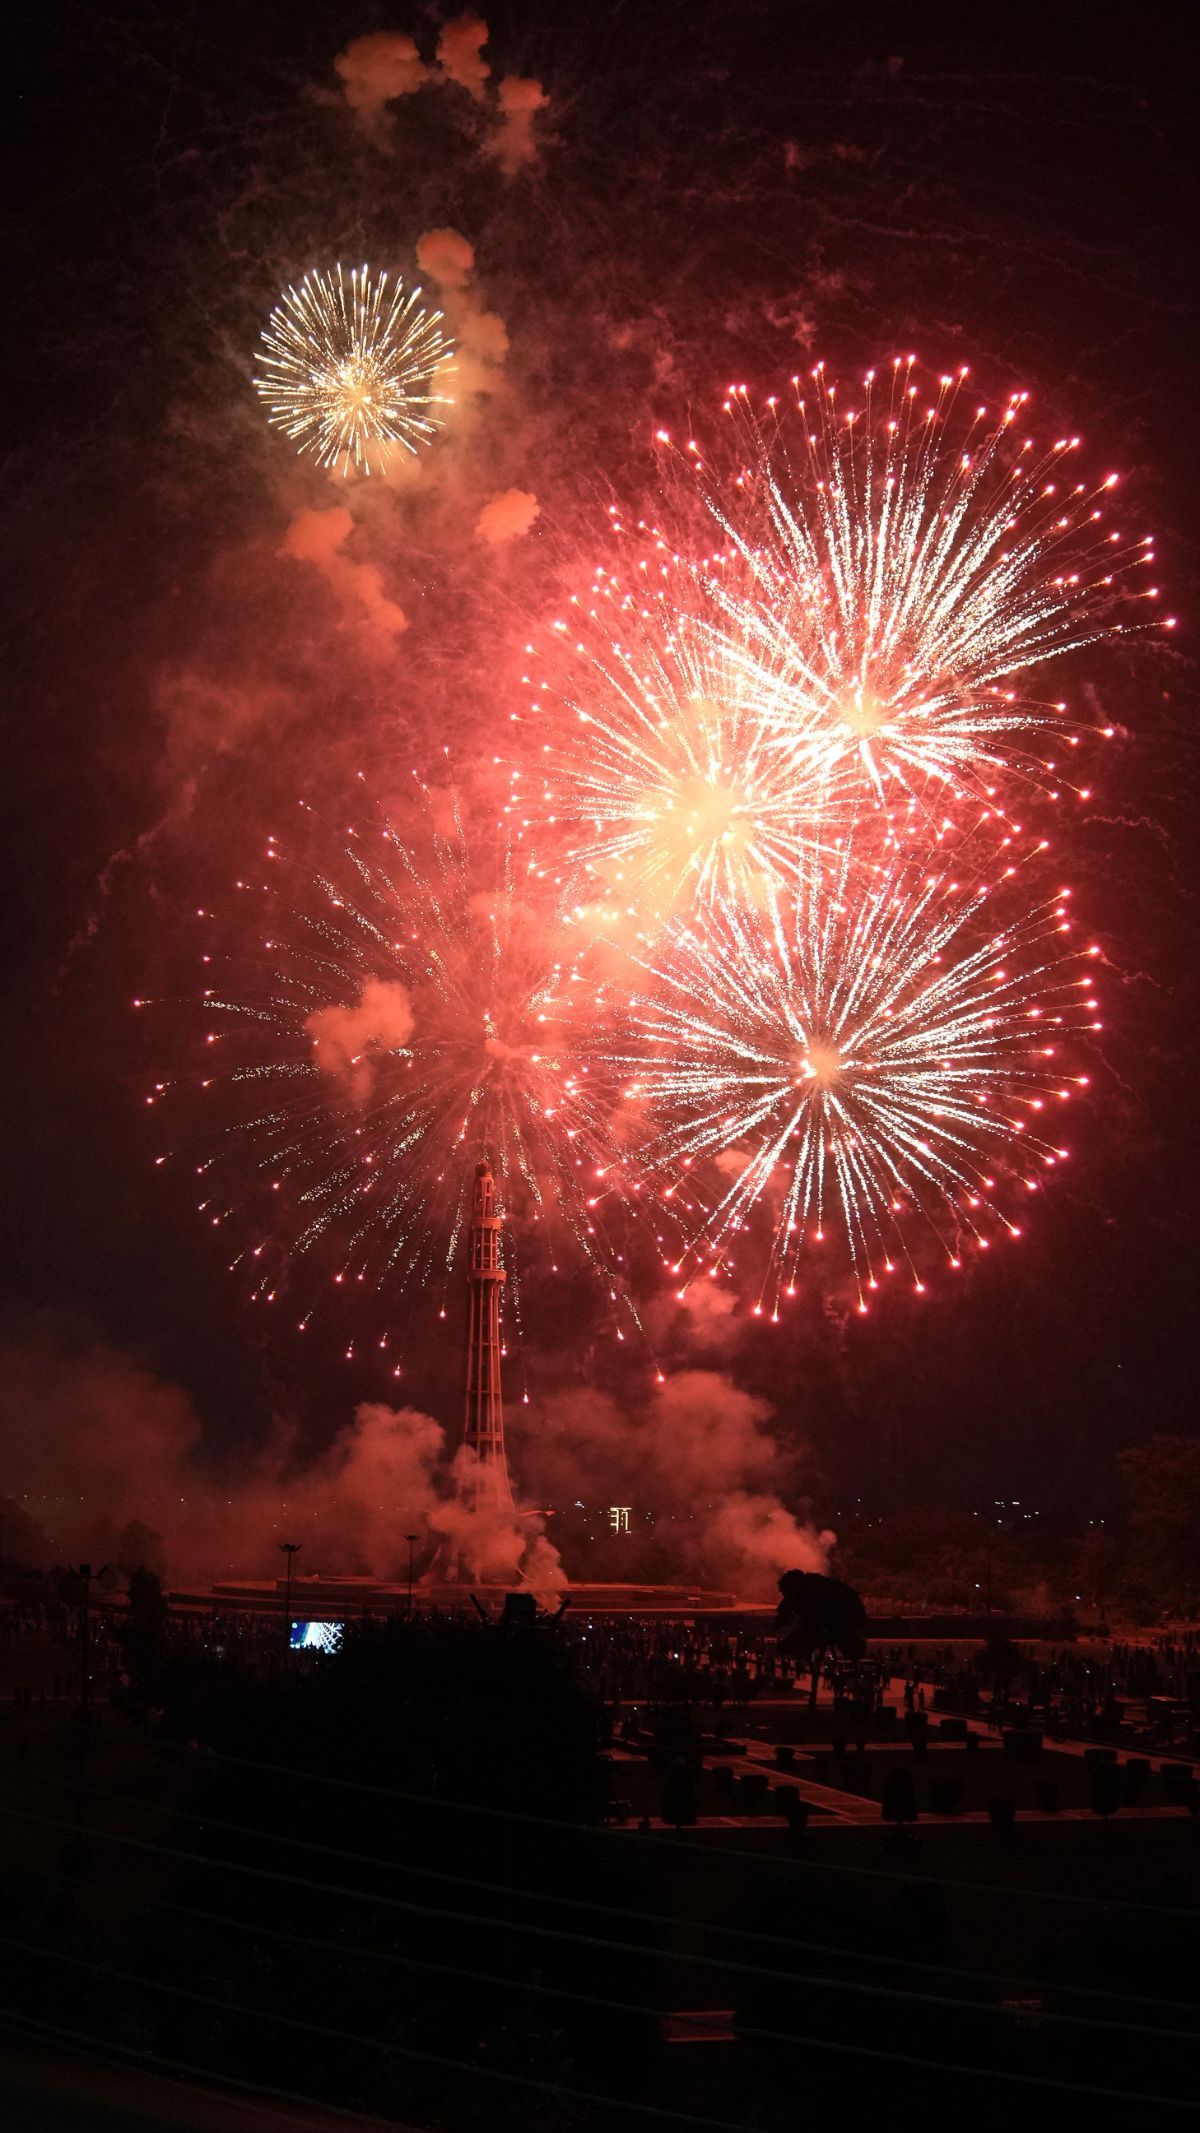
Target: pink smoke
[[513, 143], [346, 1039], [377, 69], [319, 537], [386, 66], [506, 517], [460, 54], [486, 1541], [708, 1312], [480, 335], [95, 1442], [447, 256], [698, 1454]]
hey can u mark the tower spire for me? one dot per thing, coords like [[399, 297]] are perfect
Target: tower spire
[[483, 1421]]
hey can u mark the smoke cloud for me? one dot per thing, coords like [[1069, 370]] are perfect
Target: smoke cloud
[[708, 1312], [97, 1442], [375, 71], [506, 517], [381, 1019], [486, 1540], [698, 1455], [80, 1424], [386, 66], [208, 714], [447, 256], [480, 335], [460, 54], [318, 537], [513, 144]]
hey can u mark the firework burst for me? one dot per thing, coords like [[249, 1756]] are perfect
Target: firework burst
[[782, 738], [401, 1018], [350, 365], [670, 777], [899, 573], [877, 1054]]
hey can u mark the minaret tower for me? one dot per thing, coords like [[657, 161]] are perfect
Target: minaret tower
[[483, 1423]]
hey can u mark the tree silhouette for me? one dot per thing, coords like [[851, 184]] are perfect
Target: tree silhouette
[[819, 1615], [145, 1635]]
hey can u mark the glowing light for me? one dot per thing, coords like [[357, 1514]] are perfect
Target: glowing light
[[350, 365]]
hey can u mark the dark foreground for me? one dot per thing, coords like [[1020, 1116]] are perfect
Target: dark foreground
[[428, 1883]]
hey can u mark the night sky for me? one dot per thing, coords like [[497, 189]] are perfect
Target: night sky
[[714, 192]]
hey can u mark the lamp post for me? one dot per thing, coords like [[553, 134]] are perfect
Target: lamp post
[[288, 1548], [411, 1538]]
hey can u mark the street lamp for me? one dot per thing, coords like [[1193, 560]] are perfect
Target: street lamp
[[288, 1548], [411, 1538]]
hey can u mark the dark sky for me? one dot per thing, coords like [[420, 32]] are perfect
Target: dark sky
[[719, 191]]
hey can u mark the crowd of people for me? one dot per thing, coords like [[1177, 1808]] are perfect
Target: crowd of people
[[1085, 1691], [724, 1664]]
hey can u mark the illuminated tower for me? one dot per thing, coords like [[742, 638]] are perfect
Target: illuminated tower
[[483, 1423]]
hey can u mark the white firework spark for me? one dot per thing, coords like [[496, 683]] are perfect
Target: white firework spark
[[351, 365], [877, 1048], [398, 1019], [670, 777], [899, 575]]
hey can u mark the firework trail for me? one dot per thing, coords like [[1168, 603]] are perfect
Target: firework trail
[[876, 1052], [349, 366], [401, 1018]]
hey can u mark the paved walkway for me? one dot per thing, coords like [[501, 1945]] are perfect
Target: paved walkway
[[839, 1808], [976, 1817], [758, 1760]]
